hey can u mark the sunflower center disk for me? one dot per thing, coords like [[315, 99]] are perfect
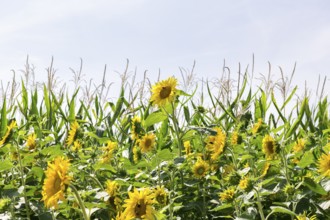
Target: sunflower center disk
[[165, 92], [57, 184], [148, 143], [140, 209]]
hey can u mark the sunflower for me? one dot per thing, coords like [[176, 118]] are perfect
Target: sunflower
[[200, 168], [245, 184], [304, 216], [108, 151], [164, 92], [256, 126], [160, 195], [72, 133], [139, 205], [136, 154], [265, 169], [112, 188], [227, 195], [269, 146], [187, 147], [10, 127], [31, 141], [135, 127], [57, 179], [147, 142], [215, 143], [76, 145], [299, 145], [324, 165], [289, 189]]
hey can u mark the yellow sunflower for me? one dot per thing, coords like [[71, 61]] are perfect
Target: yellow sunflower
[[324, 165], [136, 154], [135, 127], [147, 142], [304, 216], [76, 145], [10, 127], [187, 147], [299, 145], [139, 205], [227, 195], [269, 146], [31, 141], [57, 179], [265, 169], [256, 126], [160, 195], [164, 92], [215, 143], [112, 188], [72, 133], [245, 184], [108, 151], [200, 168]]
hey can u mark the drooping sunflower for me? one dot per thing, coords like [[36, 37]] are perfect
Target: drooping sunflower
[[139, 205], [187, 147], [215, 144], [299, 145], [256, 126], [234, 138], [135, 127], [160, 195], [227, 195], [164, 92], [10, 127], [324, 165], [147, 142], [108, 151], [76, 145], [269, 146], [200, 168], [265, 169], [31, 141], [112, 188], [72, 133], [57, 179]]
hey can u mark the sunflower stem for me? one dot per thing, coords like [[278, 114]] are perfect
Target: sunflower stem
[[23, 181], [81, 204], [261, 212]]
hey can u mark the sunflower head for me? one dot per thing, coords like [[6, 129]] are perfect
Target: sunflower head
[[112, 188], [227, 195], [8, 133], [200, 168], [139, 205], [108, 151], [245, 184], [136, 154], [55, 183], [76, 145], [269, 146], [299, 145], [160, 195], [215, 144], [256, 127], [304, 216], [324, 165], [235, 138], [73, 132], [289, 189], [135, 127], [147, 142], [187, 147], [164, 92], [31, 141]]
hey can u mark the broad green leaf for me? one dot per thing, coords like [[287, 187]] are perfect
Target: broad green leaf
[[6, 165], [307, 159], [155, 118], [280, 209], [315, 187]]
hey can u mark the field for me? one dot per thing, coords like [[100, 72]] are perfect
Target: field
[[169, 149]]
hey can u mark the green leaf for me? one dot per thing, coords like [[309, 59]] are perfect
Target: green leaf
[[155, 118], [307, 159], [6, 165], [315, 187], [4, 122], [280, 209]]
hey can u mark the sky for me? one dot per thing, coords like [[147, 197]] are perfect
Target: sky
[[161, 36]]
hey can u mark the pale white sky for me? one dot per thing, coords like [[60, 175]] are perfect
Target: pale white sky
[[165, 35]]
